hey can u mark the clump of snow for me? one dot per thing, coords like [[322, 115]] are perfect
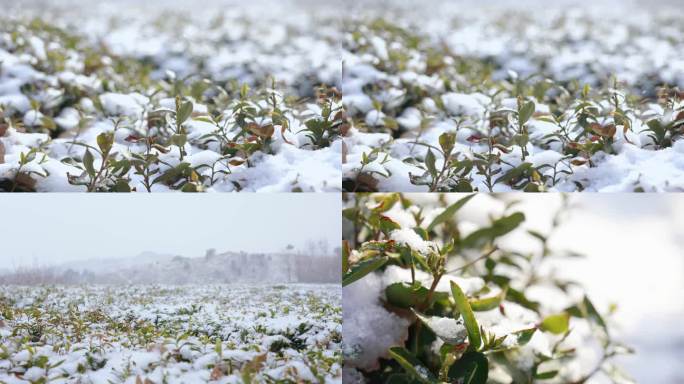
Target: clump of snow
[[450, 330], [123, 104], [412, 240], [370, 332], [462, 104], [33, 118]]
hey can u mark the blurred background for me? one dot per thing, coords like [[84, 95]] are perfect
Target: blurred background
[[170, 239], [634, 258]]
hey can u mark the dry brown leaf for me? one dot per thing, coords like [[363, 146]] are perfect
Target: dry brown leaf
[[256, 363], [366, 183], [2, 152], [605, 131], [25, 182], [264, 132], [216, 373]]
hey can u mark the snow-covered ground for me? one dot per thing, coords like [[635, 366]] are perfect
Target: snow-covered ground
[[170, 334], [257, 110], [527, 95]]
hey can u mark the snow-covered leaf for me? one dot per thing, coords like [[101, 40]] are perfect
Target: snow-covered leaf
[[451, 331]]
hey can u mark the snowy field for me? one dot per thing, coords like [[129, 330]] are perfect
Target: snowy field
[[170, 334], [561, 291], [530, 95], [166, 95]]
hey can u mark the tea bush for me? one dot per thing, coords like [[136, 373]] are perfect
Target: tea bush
[[170, 334], [530, 97], [136, 98], [455, 288]]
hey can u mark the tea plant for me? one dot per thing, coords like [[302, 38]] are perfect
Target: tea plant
[[432, 297], [177, 119], [170, 334], [521, 115]]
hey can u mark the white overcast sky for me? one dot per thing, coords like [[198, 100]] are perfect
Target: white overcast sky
[[47, 229]]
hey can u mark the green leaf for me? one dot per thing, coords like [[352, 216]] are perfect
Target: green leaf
[[183, 112], [401, 378], [88, 160], [463, 307], [556, 324], [463, 186], [449, 212], [521, 139], [430, 163], [190, 187], [362, 268], [514, 173], [447, 141], [350, 213], [388, 225], [422, 233], [471, 368], [520, 298], [244, 90], [546, 375], [488, 303], [526, 112], [121, 186], [412, 365], [407, 295], [105, 140], [499, 228], [523, 337], [593, 314], [386, 202], [48, 123], [179, 139]]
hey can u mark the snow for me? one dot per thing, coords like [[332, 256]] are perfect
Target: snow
[[292, 169], [427, 77], [462, 104], [448, 329], [33, 118], [468, 285], [123, 104], [375, 118], [171, 332], [652, 170], [412, 240], [98, 84], [369, 333]]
